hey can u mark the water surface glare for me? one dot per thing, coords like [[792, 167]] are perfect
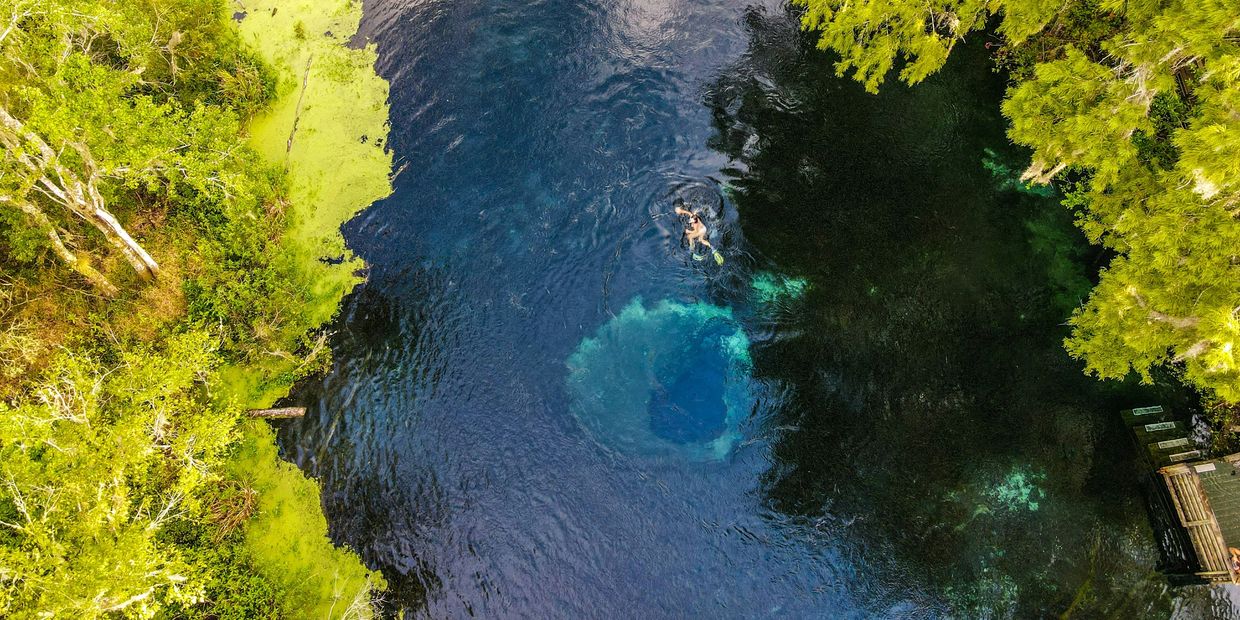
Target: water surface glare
[[904, 437]]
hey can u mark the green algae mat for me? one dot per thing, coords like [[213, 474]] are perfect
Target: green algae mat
[[326, 128]]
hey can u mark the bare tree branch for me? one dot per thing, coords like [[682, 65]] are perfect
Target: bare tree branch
[[43, 224], [80, 195]]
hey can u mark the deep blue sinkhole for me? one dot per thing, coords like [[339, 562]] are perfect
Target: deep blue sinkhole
[[669, 379], [690, 407]]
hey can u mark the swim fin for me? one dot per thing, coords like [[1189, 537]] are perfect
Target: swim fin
[[698, 257], [718, 258]]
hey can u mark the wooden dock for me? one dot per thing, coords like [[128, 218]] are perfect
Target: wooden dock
[[1193, 545], [1206, 495]]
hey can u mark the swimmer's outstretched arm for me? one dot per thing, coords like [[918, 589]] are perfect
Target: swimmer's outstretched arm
[[683, 211]]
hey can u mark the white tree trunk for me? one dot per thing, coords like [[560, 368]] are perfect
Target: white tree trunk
[[77, 194], [44, 225], [112, 229], [1037, 173]]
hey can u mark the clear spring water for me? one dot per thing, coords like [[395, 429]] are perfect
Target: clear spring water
[[668, 380], [542, 406]]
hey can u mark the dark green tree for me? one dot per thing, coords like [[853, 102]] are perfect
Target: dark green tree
[[1089, 77]]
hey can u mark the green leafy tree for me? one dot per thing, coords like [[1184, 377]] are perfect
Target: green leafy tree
[[1075, 113], [105, 106], [1160, 181], [871, 36], [127, 487], [93, 468]]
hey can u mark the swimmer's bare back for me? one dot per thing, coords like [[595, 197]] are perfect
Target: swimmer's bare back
[[696, 230]]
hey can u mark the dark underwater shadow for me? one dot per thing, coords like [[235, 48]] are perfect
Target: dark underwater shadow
[[932, 408], [377, 505]]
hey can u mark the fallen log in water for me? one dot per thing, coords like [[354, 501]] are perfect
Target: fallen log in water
[[283, 412]]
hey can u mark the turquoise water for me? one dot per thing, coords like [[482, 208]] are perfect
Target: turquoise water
[[671, 379], [542, 406]]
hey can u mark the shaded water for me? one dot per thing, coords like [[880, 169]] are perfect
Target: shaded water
[[904, 436]]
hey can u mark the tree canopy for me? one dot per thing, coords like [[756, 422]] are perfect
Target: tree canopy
[[96, 467], [105, 105], [144, 263], [1137, 106]]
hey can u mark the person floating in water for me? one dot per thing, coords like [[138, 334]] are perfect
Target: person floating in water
[[695, 233]]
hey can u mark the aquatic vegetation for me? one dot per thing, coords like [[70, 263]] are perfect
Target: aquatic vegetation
[[1018, 490], [1008, 178], [287, 537], [770, 287], [1062, 250], [326, 128], [672, 379]]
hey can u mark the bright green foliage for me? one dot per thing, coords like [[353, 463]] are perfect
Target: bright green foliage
[[327, 128], [233, 588], [163, 133], [117, 498], [1140, 103], [1025, 18], [174, 49], [113, 109], [1075, 113], [1173, 293], [93, 466], [144, 102], [1207, 147], [127, 488], [287, 538], [872, 35]]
